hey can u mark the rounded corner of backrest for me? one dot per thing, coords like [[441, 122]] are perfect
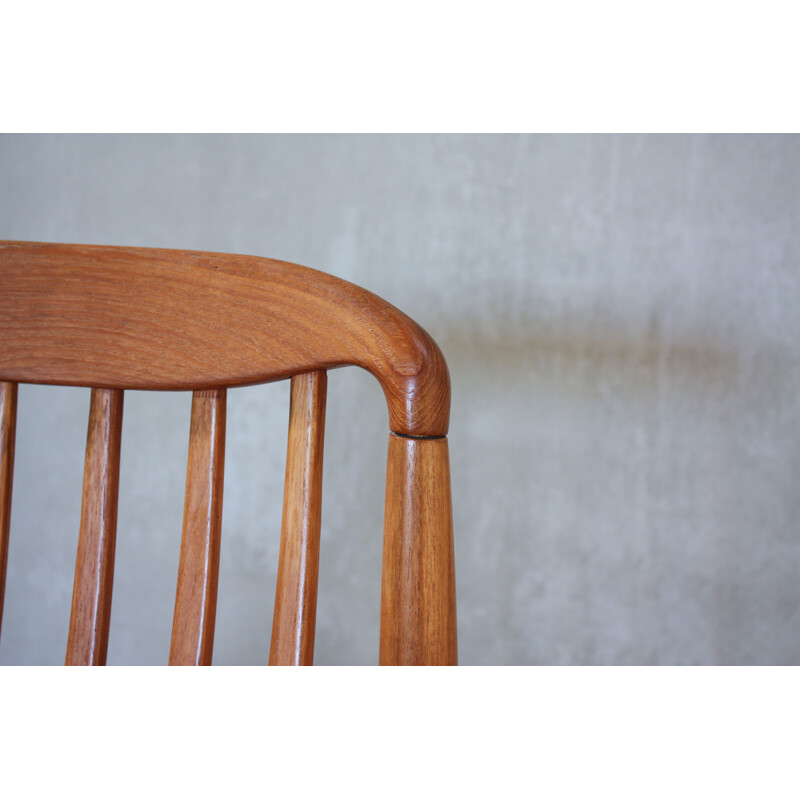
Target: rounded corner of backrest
[[418, 388], [383, 340]]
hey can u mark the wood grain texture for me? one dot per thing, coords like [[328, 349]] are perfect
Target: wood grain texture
[[8, 427], [293, 622], [418, 590], [198, 570], [136, 318], [117, 318], [87, 643]]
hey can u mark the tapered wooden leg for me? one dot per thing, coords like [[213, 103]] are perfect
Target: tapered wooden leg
[[418, 589], [8, 425]]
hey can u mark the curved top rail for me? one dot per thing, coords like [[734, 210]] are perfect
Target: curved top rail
[[141, 318]]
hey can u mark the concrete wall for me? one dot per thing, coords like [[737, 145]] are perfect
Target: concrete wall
[[620, 315]]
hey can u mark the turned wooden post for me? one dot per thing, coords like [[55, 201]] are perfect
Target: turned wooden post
[[418, 589]]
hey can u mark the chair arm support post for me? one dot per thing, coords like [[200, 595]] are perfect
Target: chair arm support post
[[418, 592]]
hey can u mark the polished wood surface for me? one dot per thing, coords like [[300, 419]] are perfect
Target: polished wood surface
[[115, 318], [198, 570], [87, 643], [293, 622], [136, 318], [418, 590], [8, 427]]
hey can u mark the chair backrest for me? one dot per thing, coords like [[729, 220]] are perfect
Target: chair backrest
[[115, 318]]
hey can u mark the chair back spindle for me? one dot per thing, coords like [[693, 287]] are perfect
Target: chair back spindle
[[198, 568], [8, 427], [87, 643], [294, 619]]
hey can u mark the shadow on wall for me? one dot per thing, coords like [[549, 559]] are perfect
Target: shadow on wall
[[704, 361], [612, 499]]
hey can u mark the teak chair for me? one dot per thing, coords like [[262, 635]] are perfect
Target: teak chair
[[114, 318]]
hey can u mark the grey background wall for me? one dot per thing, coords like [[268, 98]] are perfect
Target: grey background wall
[[620, 315]]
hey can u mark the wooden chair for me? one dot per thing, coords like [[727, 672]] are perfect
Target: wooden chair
[[115, 318]]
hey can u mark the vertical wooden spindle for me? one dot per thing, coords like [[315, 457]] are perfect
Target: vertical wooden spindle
[[198, 571], [298, 566], [8, 426], [94, 567], [418, 590]]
